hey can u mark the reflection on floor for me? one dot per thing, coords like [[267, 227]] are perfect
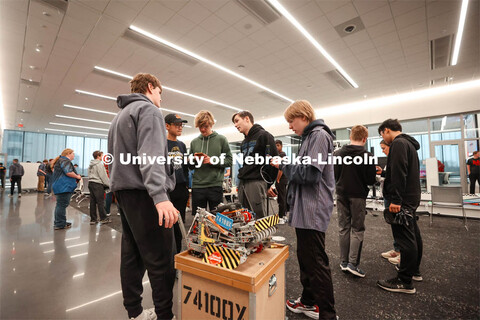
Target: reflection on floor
[[74, 273]]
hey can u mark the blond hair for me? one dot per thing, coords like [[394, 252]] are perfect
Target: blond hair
[[300, 108], [204, 117], [358, 133], [64, 153]]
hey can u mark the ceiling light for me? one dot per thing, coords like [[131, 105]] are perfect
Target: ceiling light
[[26, 98], [458, 36], [96, 95], [213, 64], [37, 49], [126, 76], [81, 119], [89, 109], [32, 67], [76, 132], [307, 35], [75, 126]]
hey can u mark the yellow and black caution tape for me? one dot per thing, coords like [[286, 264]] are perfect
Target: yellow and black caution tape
[[223, 257], [266, 222]]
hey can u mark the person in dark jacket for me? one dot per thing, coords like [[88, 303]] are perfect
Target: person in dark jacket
[[252, 189], [141, 189], [64, 182], [16, 173], [177, 149], [352, 183], [402, 188], [3, 170], [310, 196], [48, 177]]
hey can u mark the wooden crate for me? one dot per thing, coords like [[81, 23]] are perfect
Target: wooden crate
[[210, 292]]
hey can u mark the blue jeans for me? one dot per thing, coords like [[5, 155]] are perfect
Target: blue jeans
[[63, 200], [108, 201]]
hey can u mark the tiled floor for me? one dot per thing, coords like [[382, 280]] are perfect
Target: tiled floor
[[47, 274]]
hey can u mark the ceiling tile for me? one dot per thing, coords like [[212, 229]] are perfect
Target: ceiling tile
[[410, 18], [194, 12], [377, 16], [342, 14], [365, 6]]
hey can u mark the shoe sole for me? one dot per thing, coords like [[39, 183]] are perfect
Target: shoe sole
[[355, 273], [344, 269], [416, 278], [408, 291], [309, 314], [393, 262]]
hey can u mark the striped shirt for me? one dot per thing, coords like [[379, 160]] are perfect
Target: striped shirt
[[311, 187]]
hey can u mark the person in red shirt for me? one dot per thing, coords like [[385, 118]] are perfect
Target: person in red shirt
[[473, 168]]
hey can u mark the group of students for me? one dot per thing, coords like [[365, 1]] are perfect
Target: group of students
[[152, 196]]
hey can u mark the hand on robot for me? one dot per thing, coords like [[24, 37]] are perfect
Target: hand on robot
[[166, 211]]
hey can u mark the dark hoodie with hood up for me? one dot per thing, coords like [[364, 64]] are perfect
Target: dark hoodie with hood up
[[352, 180], [261, 142], [402, 178], [139, 130]]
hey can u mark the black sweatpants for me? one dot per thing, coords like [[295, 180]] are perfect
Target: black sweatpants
[[315, 273], [96, 201], [474, 178], [145, 246], [201, 196], [282, 197], [179, 198], [409, 240], [18, 181]]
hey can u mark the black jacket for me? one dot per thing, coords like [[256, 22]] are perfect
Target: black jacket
[[402, 178], [353, 180], [258, 141]]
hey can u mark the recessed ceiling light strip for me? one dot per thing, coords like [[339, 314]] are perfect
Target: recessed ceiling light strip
[[307, 35], [75, 126], [213, 64], [95, 95], [89, 109], [126, 76], [77, 132], [81, 119], [458, 36]]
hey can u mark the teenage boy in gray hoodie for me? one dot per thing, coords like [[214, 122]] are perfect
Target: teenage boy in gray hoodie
[[16, 173], [97, 183], [142, 191]]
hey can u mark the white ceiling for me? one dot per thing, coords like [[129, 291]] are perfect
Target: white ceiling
[[391, 55]]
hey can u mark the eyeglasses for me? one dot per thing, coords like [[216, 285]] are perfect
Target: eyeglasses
[[181, 124]]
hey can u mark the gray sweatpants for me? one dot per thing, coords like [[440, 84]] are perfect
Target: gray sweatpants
[[252, 194], [351, 224]]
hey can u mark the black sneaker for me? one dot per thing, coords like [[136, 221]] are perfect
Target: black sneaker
[[356, 271], [104, 221], [396, 285], [67, 226]]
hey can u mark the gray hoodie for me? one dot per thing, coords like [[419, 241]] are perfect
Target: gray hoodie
[[97, 173], [16, 169], [138, 129]]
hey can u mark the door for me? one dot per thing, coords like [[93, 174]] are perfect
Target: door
[[451, 157]]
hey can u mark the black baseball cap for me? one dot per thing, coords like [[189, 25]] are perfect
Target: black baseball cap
[[174, 118]]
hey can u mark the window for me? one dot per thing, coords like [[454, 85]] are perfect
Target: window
[[471, 125], [91, 145], [13, 146], [55, 145], [76, 143], [446, 128], [34, 147]]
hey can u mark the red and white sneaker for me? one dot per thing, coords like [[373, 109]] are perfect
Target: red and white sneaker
[[298, 307]]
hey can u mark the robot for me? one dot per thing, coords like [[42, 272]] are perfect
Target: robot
[[228, 235]]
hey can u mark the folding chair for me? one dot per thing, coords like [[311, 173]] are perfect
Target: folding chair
[[78, 190], [448, 197], [84, 192]]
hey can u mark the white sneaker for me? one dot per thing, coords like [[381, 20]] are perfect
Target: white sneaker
[[10, 195], [147, 314], [395, 260], [390, 254]]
